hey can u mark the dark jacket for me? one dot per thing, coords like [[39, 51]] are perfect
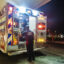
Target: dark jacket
[[29, 40]]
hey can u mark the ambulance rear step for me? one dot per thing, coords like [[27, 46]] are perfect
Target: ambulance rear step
[[20, 52]]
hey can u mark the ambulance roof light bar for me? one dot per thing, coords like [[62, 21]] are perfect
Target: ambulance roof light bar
[[24, 10]]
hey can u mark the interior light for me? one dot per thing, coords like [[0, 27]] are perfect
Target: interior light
[[35, 13], [28, 11], [22, 9]]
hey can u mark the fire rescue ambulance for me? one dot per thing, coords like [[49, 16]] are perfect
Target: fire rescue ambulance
[[13, 24]]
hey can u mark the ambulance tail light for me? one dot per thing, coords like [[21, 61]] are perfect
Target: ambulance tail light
[[40, 40], [41, 27]]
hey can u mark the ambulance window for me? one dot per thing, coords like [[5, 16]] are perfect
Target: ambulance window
[[16, 23], [23, 24], [15, 38]]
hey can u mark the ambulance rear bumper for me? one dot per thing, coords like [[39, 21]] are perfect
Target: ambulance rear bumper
[[20, 52]]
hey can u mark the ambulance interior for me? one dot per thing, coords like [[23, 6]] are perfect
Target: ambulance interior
[[20, 22]]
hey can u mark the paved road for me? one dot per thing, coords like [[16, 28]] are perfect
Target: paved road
[[54, 55], [54, 48], [40, 59]]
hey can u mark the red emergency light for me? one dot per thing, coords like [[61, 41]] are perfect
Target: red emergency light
[[41, 26]]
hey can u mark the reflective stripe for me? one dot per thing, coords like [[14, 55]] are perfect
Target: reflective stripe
[[9, 28], [9, 35], [10, 39], [9, 43], [9, 16]]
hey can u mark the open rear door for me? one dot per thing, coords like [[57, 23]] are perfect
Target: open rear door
[[32, 24]]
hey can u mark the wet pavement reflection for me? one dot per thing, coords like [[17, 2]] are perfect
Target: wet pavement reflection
[[40, 59]]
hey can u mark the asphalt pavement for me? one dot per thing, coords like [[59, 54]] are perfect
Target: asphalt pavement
[[53, 48], [50, 54], [39, 59]]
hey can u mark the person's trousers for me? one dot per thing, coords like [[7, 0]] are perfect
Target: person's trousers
[[31, 55]]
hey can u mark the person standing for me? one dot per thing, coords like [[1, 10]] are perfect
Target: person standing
[[30, 44]]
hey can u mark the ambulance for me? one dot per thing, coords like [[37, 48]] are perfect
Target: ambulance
[[13, 24]]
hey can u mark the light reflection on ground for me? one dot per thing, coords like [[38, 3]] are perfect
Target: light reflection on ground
[[22, 59]]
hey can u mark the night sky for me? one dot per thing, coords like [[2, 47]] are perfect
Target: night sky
[[55, 13]]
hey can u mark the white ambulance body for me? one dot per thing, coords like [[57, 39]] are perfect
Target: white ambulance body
[[13, 24]]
